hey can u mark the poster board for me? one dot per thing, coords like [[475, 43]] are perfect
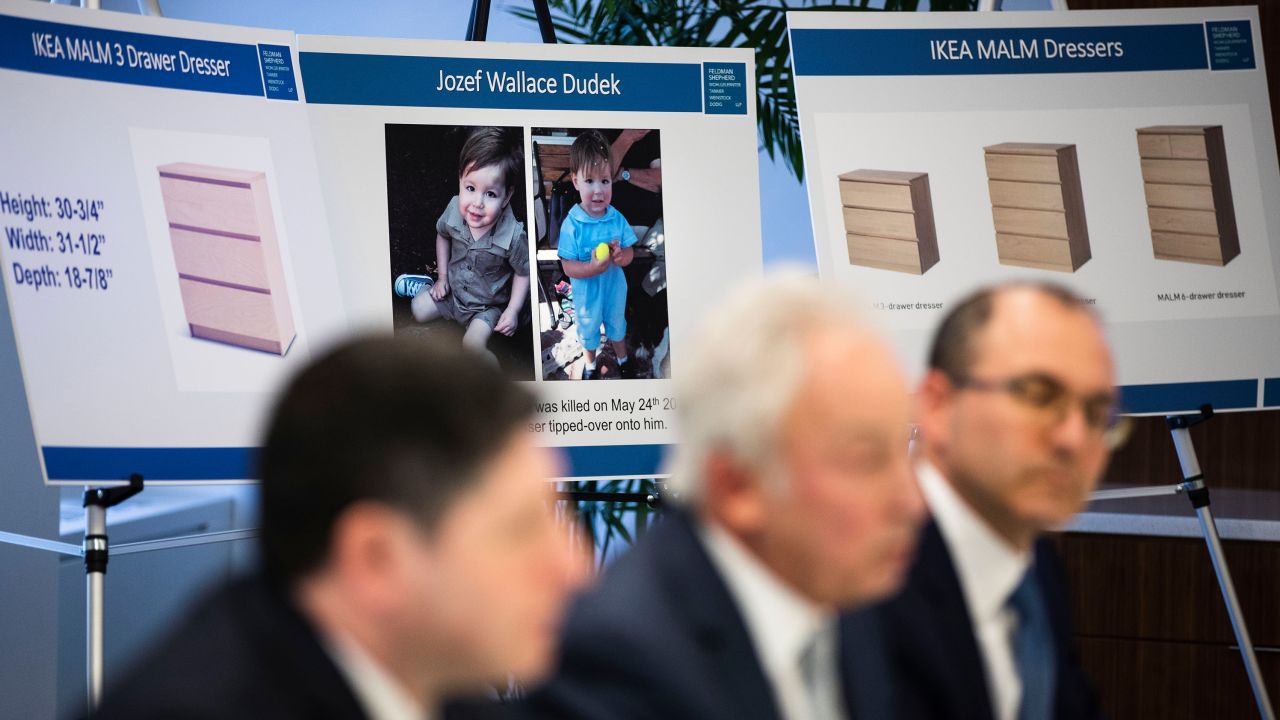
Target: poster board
[[390, 119], [1128, 155], [164, 265], [194, 211]]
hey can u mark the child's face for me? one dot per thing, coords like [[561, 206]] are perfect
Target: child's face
[[595, 184], [482, 194]]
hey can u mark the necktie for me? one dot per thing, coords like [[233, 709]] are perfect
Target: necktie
[[816, 668], [1033, 650]]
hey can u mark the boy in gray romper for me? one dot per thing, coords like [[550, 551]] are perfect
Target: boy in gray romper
[[482, 251]]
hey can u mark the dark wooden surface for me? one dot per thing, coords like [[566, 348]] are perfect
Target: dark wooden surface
[[1153, 628], [1235, 450]]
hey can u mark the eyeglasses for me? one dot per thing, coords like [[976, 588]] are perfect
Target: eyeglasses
[[1051, 399]]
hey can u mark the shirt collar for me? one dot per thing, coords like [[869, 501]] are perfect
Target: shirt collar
[[781, 622], [582, 216], [989, 568], [501, 235], [380, 694]]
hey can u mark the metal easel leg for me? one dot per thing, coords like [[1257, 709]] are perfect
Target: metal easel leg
[[1198, 493], [96, 502]]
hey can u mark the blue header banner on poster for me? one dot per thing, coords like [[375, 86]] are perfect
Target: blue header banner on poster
[[188, 464], [1189, 396], [131, 58], [404, 80], [999, 51]]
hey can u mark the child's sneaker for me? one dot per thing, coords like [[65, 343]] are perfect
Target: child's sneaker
[[591, 373], [410, 285], [627, 370]]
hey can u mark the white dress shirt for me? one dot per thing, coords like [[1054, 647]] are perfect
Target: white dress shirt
[[794, 639], [989, 570], [380, 694]]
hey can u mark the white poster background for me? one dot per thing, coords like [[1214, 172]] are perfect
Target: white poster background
[[940, 123]]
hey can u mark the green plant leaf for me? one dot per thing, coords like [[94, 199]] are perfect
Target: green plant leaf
[[758, 24]]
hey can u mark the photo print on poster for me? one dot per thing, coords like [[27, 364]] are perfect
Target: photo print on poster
[[459, 250], [600, 253]]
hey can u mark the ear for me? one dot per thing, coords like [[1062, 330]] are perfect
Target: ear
[[933, 407], [369, 548], [735, 496]]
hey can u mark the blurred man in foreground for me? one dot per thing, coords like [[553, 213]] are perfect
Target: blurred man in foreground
[[409, 552], [798, 502], [1017, 416]]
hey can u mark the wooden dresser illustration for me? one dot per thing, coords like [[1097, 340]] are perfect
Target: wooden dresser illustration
[[1037, 205], [1184, 169], [888, 220], [224, 246]]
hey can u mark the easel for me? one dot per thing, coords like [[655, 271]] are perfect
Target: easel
[[1197, 492]]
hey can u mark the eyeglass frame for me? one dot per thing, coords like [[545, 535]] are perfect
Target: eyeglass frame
[[1113, 430]]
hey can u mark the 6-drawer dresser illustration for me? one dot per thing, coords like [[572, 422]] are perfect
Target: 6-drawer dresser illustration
[[1037, 205], [1184, 172], [228, 260], [888, 220]]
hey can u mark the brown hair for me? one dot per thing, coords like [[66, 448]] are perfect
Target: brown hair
[[590, 149], [954, 350], [503, 147]]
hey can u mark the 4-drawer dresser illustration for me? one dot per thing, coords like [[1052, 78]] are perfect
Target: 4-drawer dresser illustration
[[1037, 205], [888, 220], [1189, 205], [230, 273]]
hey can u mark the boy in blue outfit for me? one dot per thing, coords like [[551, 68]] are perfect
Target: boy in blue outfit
[[595, 244], [482, 250]]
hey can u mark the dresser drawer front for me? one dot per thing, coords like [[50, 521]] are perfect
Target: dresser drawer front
[[1026, 195], [880, 223], [1024, 168], [1195, 222], [885, 253], [1188, 147], [1175, 172], [231, 310], [1181, 246], [1154, 146], [210, 206], [1037, 252], [879, 196], [217, 257], [1188, 197], [1037, 223]]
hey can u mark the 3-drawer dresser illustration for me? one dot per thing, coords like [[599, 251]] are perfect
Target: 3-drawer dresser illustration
[[228, 260], [888, 220], [1037, 205], [1184, 173]]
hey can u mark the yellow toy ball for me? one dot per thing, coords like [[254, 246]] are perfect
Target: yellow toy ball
[[602, 251]]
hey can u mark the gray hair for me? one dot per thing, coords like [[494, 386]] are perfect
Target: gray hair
[[737, 384]]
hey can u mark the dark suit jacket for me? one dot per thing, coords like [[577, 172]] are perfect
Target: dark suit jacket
[[243, 652], [660, 637], [934, 656]]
